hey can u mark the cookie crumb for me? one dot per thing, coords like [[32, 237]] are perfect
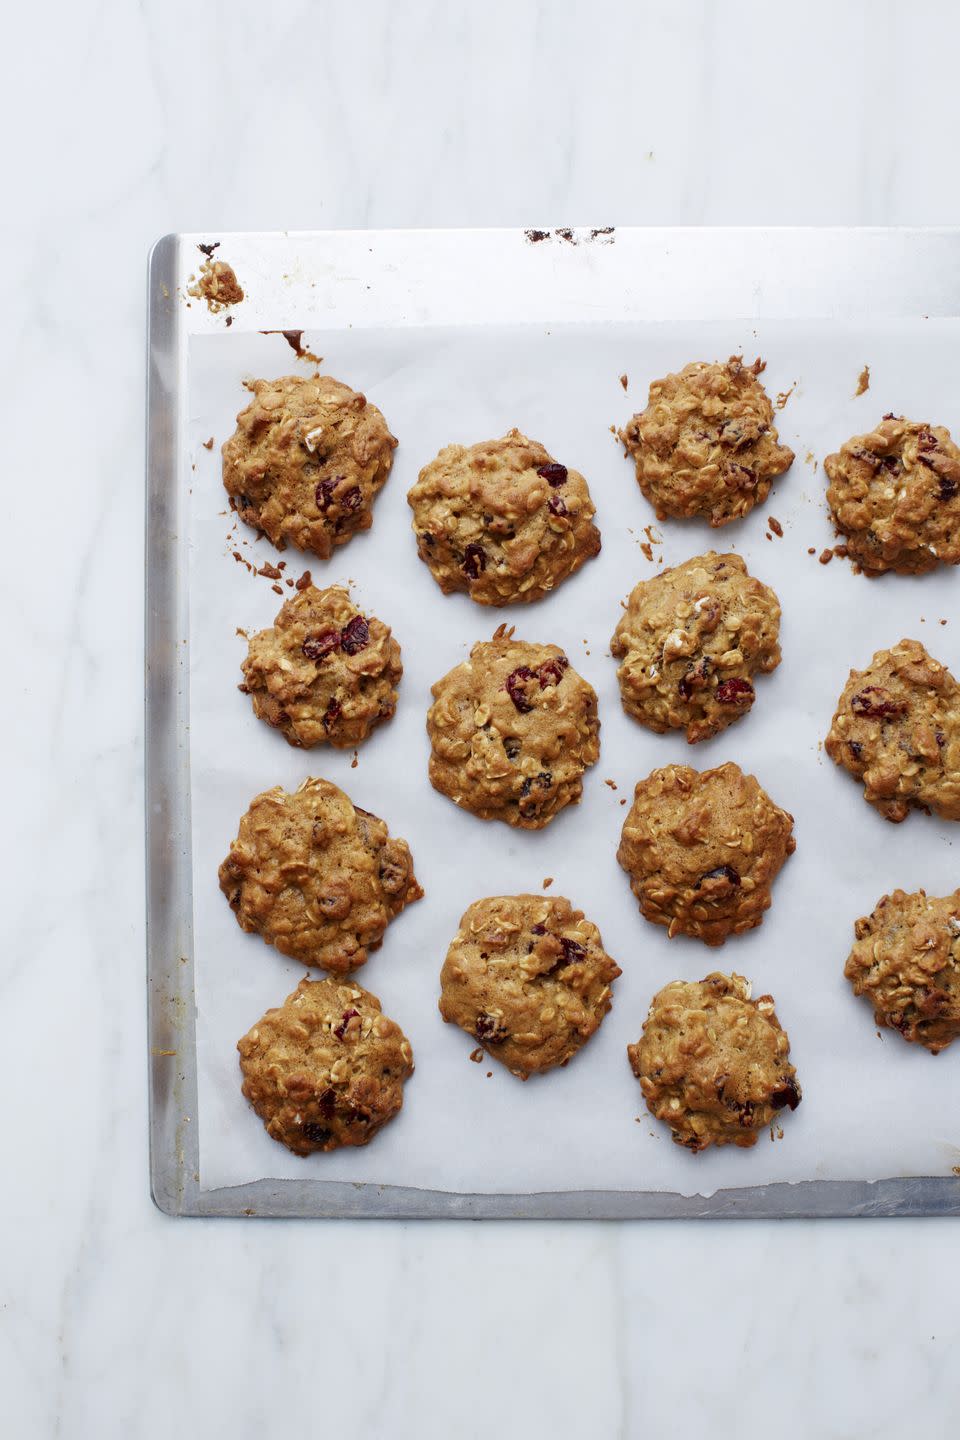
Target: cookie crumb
[[811, 459], [956, 1169], [624, 381], [811, 550], [476, 1055], [775, 526], [305, 581], [611, 783], [647, 550], [547, 881], [826, 556], [623, 802], [784, 395], [355, 761], [208, 444], [943, 622], [277, 589], [270, 571], [217, 284], [863, 382]]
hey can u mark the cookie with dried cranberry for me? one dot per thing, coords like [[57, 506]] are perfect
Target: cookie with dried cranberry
[[713, 1063], [512, 731], [502, 520], [897, 729], [326, 1068], [306, 460], [316, 876], [702, 849], [690, 641], [527, 976], [895, 497], [706, 444], [324, 673], [906, 961]]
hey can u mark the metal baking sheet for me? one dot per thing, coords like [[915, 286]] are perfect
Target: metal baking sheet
[[329, 282]]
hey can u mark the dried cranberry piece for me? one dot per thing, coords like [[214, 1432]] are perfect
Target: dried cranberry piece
[[474, 561], [514, 684], [556, 506], [551, 671], [722, 872], [315, 1133], [355, 635], [554, 474], [788, 1094], [940, 738], [948, 487], [324, 492], [544, 780], [327, 1103], [877, 703], [746, 1112], [696, 677], [856, 749], [351, 500], [332, 714], [341, 1029], [735, 692], [488, 1028], [538, 929], [926, 440], [317, 647], [572, 950]]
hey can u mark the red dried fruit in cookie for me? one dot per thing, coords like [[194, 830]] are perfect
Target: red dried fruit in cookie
[[572, 949], [341, 1029], [355, 635], [474, 561], [551, 671], [556, 506], [735, 692], [489, 1029], [514, 686], [316, 1134], [332, 714], [722, 872], [317, 647], [877, 704], [696, 677], [324, 491], [352, 499], [554, 473], [788, 1094]]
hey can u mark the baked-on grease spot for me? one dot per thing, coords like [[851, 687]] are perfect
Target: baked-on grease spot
[[294, 339], [598, 234], [209, 249], [863, 382]]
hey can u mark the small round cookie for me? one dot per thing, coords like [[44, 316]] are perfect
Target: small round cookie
[[895, 497], [326, 1068], [512, 731], [325, 673], [706, 443], [316, 876], [306, 460], [713, 1063], [906, 960], [527, 976], [502, 520], [897, 728], [690, 641], [702, 849]]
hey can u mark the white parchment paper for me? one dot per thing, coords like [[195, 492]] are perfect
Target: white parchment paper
[[873, 1107]]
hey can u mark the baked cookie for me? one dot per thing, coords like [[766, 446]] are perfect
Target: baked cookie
[[906, 960], [713, 1063], [895, 497], [512, 730], [306, 460], [326, 1068], [502, 520], [897, 728], [316, 876], [324, 672], [706, 443], [702, 849], [527, 976], [690, 641]]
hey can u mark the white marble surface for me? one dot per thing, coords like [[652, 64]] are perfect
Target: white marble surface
[[122, 121]]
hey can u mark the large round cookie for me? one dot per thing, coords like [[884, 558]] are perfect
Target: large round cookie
[[713, 1063], [324, 673], [527, 976], [512, 731], [702, 850], [326, 1068], [316, 876], [906, 961], [706, 443], [306, 460], [502, 520], [690, 641], [895, 497]]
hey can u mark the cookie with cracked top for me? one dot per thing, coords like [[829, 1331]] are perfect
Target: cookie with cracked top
[[906, 961]]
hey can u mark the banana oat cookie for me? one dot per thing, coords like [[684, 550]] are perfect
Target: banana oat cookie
[[324, 672], [895, 497], [713, 1063], [306, 460], [316, 876], [906, 960], [326, 1068], [528, 977], [512, 731], [502, 520], [690, 641], [706, 443], [702, 850], [897, 728]]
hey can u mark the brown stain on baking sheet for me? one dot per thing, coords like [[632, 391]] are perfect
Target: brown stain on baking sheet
[[294, 339], [599, 234]]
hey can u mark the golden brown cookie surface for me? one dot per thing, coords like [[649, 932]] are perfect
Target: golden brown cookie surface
[[897, 728], [690, 641], [316, 876], [702, 850], [512, 731], [324, 672], [895, 497], [906, 961], [527, 976], [502, 520], [706, 443], [326, 1068], [713, 1063], [306, 461]]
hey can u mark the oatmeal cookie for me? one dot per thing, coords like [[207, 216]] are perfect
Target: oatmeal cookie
[[702, 849], [706, 443], [713, 1063], [897, 728], [326, 1068], [316, 876], [906, 960], [324, 672], [690, 641], [895, 497], [502, 520], [528, 977], [306, 461], [512, 731]]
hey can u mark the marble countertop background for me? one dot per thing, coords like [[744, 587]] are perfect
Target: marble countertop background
[[123, 121]]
